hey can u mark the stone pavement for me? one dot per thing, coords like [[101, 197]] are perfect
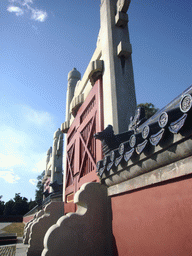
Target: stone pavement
[[20, 247], [3, 225]]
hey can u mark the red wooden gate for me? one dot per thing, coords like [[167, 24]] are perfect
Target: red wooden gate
[[83, 151]]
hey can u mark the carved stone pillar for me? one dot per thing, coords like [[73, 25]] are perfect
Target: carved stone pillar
[[118, 81], [57, 158]]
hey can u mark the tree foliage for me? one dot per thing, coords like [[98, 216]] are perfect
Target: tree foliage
[[2, 206], [32, 204], [40, 188], [150, 109], [17, 206], [20, 205], [9, 208]]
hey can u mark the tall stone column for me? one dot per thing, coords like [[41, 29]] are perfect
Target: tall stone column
[[73, 77], [47, 176], [118, 81], [57, 158]]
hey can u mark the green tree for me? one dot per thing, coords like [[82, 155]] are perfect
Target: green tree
[[21, 205], [17, 206], [40, 188], [2, 206], [9, 208], [150, 109], [32, 204]]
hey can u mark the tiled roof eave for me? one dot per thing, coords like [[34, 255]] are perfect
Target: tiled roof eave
[[168, 139]]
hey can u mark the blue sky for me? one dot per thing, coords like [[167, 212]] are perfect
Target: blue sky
[[41, 41]]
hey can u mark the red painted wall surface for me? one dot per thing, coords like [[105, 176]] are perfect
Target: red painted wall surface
[[154, 221], [83, 151], [27, 218]]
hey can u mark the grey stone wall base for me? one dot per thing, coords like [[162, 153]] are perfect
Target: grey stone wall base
[[86, 232]]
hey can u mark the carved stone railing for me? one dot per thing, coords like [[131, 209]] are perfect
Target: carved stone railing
[[51, 213], [86, 232], [27, 228]]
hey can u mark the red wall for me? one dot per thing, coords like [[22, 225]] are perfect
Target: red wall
[[154, 221], [28, 218]]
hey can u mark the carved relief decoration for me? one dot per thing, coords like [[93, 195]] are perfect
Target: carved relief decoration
[[128, 154], [155, 138], [177, 125], [186, 103], [141, 146]]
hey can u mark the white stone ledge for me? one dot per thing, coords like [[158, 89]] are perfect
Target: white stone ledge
[[65, 126], [85, 78], [171, 171], [76, 103], [95, 68]]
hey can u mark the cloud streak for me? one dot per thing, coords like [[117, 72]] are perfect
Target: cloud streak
[[7, 161], [19, 7], [9, 176], [18, 11], [25, 137], [39, 15], [39, 167], [33, 182], [36, 117]]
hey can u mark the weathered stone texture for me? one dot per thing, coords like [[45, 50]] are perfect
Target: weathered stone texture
[[86, 232], [52, 212]]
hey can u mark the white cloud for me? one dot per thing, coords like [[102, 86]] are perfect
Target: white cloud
[[25, 136], [9, 176], [26, 6], [36, 117], [7, 161], [14, 143], [33, 182], [39, 167], [18, 11], [39, 15], [27, 1]]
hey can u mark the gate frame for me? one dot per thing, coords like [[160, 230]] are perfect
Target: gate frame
[[95, 116]]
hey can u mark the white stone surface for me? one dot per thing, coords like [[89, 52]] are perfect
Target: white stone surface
[[73, 77], [52, 212], [86, 232], [27, 228], [57, 158]]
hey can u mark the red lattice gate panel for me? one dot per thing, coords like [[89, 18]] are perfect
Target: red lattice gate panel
[[83, 151]]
